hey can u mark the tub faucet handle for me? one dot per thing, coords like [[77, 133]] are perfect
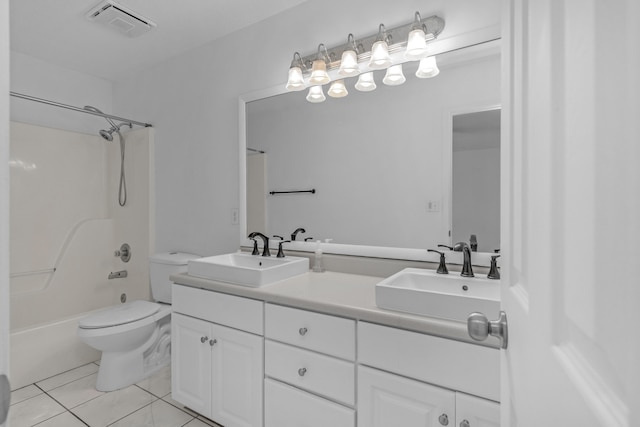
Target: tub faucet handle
[[124, 253]]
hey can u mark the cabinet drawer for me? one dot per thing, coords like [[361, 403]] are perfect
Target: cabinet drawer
[[237, 312], [320, 332], [456, 365], [311, 371], [286, 406]]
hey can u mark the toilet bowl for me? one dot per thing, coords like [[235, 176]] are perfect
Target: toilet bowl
[[135, 337]]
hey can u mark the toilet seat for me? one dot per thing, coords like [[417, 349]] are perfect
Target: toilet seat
[[119, 315]]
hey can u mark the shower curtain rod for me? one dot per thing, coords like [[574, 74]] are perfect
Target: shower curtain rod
[[81, 110]]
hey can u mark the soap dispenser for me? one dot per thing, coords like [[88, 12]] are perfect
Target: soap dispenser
[[317, 263]]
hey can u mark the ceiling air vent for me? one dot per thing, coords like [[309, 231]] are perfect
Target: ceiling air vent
[[120, 19]]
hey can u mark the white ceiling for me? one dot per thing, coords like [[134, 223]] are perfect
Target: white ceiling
[[58, 32]]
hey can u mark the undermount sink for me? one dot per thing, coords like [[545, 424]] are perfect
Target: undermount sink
[[248, 270], [447, 296]]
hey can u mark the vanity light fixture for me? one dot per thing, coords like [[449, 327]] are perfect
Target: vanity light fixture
[[315, 95], [380, 57], [338, 89], [366, 83], [428, 68], [359, 57], [394, 76], [319, 75], [296, 80], [349, 63]]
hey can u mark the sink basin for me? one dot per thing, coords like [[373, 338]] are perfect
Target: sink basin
[[248, 270], [447, 296]]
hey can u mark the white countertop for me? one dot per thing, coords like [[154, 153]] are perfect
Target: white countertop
[[340, 294]]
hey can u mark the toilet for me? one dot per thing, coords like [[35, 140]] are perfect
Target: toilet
[[135, 337]]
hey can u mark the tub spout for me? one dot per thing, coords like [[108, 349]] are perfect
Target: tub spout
[[118, 274]]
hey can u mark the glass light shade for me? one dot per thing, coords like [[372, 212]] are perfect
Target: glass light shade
[[319, 74], [349, 64], [365, 82], [296, 81], [379, 56], [338, 89], [315, 94], [427, 68], [416, 45], [394, 76]]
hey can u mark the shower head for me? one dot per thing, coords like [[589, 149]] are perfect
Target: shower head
[[106, 134]]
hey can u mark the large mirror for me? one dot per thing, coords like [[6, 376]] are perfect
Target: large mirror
[[382, 164]]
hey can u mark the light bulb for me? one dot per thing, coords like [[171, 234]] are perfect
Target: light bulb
[[315, 94], [319, 74], [427, 68], [394, 76], [296, 81], [379, 56], [338, 89], [366, 83], [349, 64]]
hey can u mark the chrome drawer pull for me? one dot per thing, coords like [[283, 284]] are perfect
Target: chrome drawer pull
[[302, 331], [302, 371]]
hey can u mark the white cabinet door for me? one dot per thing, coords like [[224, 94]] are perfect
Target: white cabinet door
[[191, 363], [389, 400], [473, 411], [238, 372]]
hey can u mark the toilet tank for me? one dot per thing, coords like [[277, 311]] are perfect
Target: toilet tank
[[163, 265]]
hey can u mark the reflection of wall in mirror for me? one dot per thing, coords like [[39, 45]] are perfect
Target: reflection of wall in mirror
[[375, 158], [256, 192], [476, 179]]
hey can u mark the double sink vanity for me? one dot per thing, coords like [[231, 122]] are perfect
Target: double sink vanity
[[264, 341]]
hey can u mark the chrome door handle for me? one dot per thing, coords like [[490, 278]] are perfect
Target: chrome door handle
[[479, 327]]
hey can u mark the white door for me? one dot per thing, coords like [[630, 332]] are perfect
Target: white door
[[4, 205], [238, 372], [571, 213], [191, 362]]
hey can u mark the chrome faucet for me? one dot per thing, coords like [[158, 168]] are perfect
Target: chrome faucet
[[265, 242], [467, 271]]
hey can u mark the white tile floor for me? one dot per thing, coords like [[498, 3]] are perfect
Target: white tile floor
[[71, 400]]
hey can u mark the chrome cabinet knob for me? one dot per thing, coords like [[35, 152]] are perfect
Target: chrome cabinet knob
[[203, 339], [302, 371], [213, 342], [444, 419], [479, 327], [302, 331], [465, 423]]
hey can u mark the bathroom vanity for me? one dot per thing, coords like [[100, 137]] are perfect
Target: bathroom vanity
[[315, 350]]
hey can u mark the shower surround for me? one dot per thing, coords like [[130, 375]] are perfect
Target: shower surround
[[65, 225]]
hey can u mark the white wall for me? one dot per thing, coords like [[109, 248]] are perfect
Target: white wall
[[192, 101], [34, 77]]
